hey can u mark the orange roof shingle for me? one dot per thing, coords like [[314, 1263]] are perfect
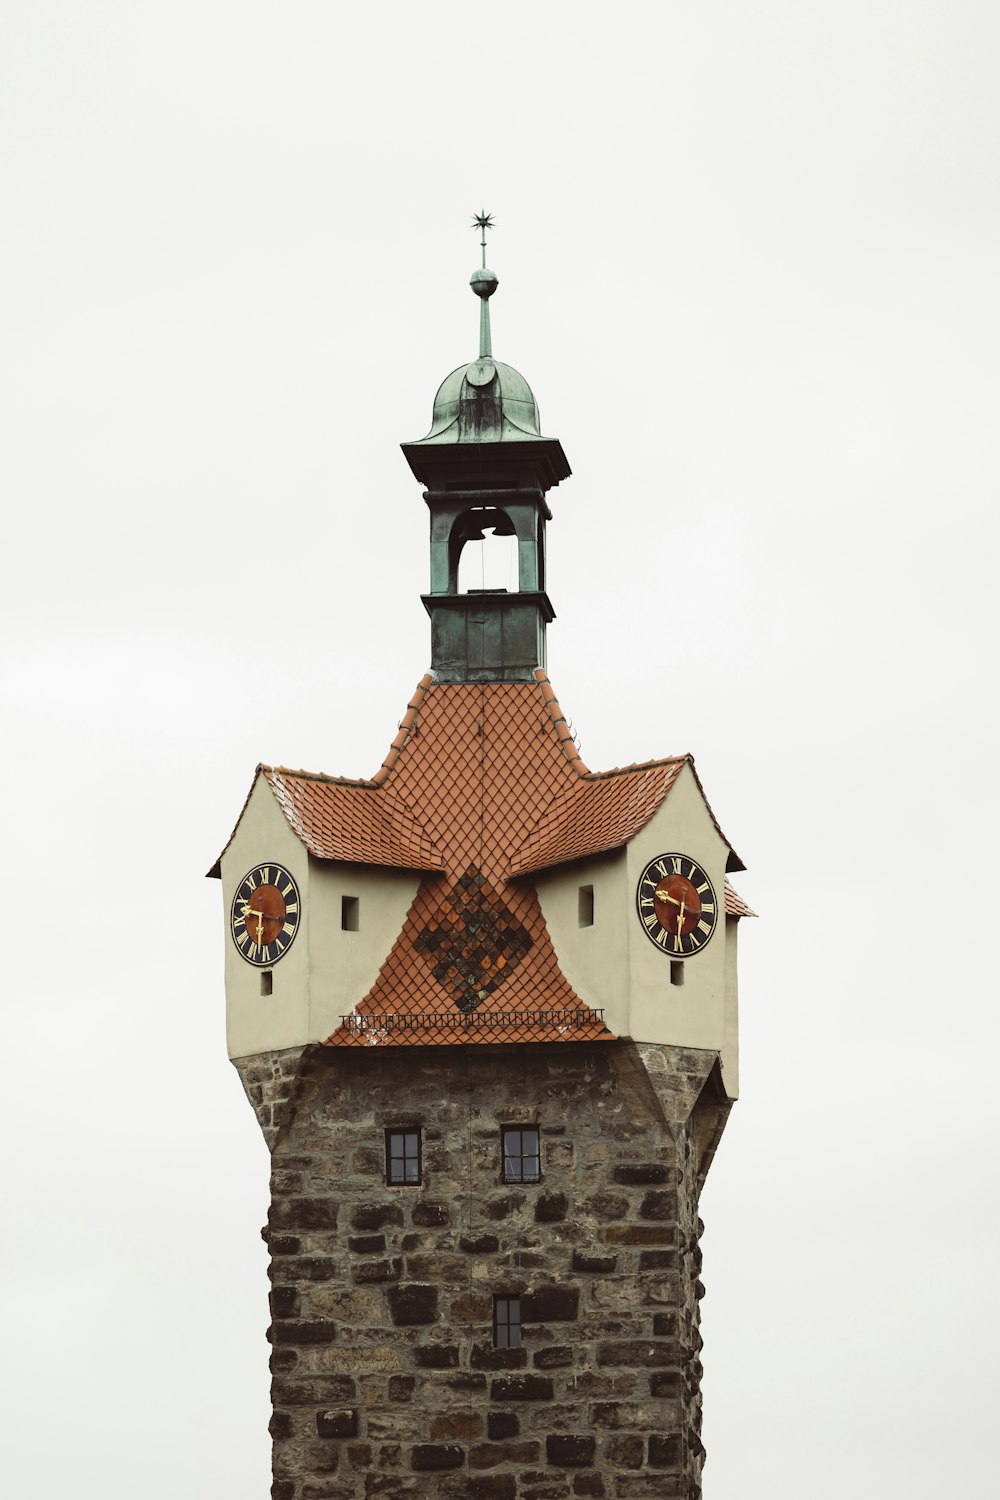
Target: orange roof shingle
[[482, 785], [735, 904]]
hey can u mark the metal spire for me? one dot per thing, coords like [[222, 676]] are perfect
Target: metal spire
[[484, 284]]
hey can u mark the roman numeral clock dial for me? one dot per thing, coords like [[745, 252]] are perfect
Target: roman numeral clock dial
[[676, 905], [265, 915]]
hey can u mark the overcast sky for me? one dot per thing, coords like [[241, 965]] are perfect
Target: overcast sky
[[748, 261]]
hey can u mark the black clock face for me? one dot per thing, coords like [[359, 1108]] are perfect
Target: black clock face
[[265, 915], [676, 905]]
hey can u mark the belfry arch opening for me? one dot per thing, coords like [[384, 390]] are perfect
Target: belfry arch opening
[[484, 551]]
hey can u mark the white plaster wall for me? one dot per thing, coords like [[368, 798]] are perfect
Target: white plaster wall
[[326, 971], [345, 965], [256, 1022], [614, 965]]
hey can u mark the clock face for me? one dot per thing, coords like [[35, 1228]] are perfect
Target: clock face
[[676, 905], [265, 915]]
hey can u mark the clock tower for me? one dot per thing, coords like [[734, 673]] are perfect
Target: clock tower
[[483, 1003]]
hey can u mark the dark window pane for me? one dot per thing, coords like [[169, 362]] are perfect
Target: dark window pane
[[402, 1149]]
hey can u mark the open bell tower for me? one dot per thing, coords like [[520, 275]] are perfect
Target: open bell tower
[[484, 1006], [487, 467]]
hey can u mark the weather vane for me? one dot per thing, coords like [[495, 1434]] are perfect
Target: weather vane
[[483, 221]]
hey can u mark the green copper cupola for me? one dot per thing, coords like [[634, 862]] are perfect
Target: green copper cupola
[[486, 468]]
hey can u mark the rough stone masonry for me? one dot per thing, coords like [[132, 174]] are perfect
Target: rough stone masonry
[[386, 1380]]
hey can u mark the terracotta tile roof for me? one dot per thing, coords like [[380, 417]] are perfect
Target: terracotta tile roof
[[474, 961], [351, 821], [597, 814], [735, 904], [348, 820], [482, 785]]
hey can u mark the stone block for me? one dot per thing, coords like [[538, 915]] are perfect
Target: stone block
[[330, 1390], [638, 1353], [401, 1387], [376, 1216], [489, 1455], [596, 1265], [471, 1308], [568, 1450], [433, 1456], [346, 1305], [430, 1214], [367, 1162], [315, 1268], [626, 1416], [589, 1484], [280, 1426], [436, 1356], [636, 1234], [550, 1304], [303, 1331], [480, 1244], [338, 1422], [559, 1156], [411, 1304], [641, 1174], [551, 1208], [521, 1388], [284, 1244], [282, 1359], [605, 1206], [665, 1325], [502, 1208], [366, 1244], [442, 1270], [653, 1487], [467, 1383], [285, 1302], [283, 1489], [464, 1425], [662, 1205], [491, 1487], [304, 1213], [625, 1451], [555, 1357], [371, 1272], [486, 1357], [503, 1424], [665, 1451], [668, 1383], [658, 1260]]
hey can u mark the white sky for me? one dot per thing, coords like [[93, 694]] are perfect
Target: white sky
[[748, 261]]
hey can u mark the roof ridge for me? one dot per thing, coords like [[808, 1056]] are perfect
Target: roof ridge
[[324, 776], [564, 735], [641, 765], [406, 724]]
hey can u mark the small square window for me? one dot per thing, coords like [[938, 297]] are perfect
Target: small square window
[[350, 913], [585, 906], [402, 1156], [521, 1161], [506, 1322]]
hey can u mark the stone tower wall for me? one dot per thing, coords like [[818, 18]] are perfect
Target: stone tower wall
[[386, 1382]]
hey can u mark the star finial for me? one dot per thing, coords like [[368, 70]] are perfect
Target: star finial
[[482, 220]]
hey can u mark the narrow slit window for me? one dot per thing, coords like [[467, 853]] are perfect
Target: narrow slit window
[[585, 906], [402, 1156], [521, 1159], [676, 971], [350, 913], [266, 982], [506, 1322]]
